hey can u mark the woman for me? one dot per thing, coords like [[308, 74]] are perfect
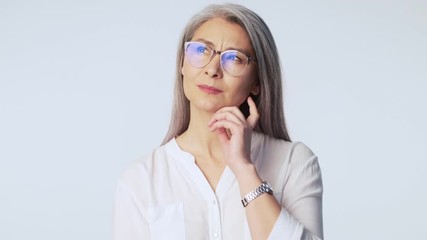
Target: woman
[[227, 168]]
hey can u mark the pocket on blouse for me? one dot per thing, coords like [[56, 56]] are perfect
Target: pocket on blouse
[[167, 221]]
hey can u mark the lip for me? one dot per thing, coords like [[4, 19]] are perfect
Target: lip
[[209, 89]]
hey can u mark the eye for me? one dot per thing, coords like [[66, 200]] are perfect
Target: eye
[[202, 50], [233, 57]]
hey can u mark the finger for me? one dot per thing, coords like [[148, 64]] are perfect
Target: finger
[[235, 110], [253, 113], [229, 116], [222, 133], [231, 126]]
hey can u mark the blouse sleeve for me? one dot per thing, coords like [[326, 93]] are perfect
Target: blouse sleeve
[[128, 220], [301, 214]]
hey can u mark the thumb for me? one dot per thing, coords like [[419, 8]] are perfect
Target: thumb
[[253, 113]]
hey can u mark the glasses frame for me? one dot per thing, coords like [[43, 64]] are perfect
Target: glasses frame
[[220, 53]]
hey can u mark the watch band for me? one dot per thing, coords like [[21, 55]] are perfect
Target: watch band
[[263, 188]]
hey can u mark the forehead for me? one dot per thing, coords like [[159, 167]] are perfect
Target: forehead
[[223, 35]]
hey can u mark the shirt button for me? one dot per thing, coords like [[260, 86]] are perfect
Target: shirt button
[[214, 202], [215, 235]]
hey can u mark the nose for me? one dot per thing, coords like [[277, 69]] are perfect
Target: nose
[[213, 69]]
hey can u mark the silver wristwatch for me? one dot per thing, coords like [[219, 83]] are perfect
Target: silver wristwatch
[[263, 188]]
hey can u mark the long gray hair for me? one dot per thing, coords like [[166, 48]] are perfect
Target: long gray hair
[[270, 100]]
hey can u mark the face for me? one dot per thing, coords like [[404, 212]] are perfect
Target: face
[[210, 88]]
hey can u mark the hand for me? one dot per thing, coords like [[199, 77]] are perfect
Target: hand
[[235, 132]]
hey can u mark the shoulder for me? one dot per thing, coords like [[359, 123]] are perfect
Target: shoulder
[[277, 157], [300, 151], [142, 169], [267, 144]]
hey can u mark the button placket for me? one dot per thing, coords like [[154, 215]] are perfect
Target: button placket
[[216, 220]]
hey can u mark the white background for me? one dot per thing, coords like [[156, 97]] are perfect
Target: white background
[[86, 85]]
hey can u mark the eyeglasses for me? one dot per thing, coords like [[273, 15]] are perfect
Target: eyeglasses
[[232, 62]]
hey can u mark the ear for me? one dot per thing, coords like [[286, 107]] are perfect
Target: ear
[[255, 89], [182, 65]]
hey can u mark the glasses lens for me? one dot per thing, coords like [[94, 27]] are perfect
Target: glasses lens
[[198, 54], [234, 62]]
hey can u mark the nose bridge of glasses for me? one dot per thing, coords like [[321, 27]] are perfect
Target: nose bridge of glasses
[[213, 54]]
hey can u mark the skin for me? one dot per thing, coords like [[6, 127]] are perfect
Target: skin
[[219, 135]]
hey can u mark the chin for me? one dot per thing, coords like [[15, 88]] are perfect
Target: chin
[[208, 106]]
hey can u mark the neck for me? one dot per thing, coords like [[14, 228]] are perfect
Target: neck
[[198, 139]]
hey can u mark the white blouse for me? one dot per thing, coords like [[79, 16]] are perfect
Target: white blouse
[[166, 196]]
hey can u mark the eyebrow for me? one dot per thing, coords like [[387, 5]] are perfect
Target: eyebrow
[[211, 44]]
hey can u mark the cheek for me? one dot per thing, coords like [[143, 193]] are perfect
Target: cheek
[[188, 71], [252, 82], [185, 89], [246, 86], [240, 93], [185, 80]]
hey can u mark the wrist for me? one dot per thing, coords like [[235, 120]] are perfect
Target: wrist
[[261, 189], [244, 170], [247, 177]]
